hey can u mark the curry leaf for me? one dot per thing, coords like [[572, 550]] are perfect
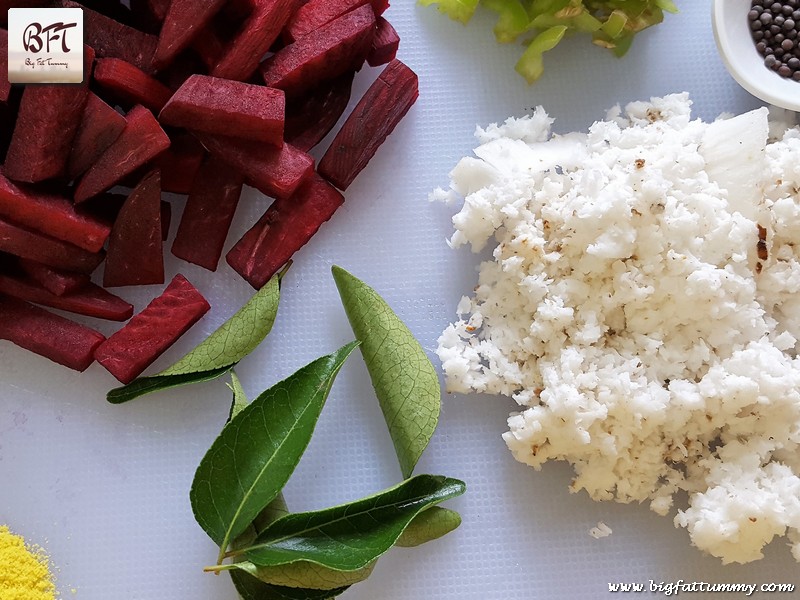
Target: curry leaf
[[429, 525], [240, 400], [252, 588], [350, 536], [218, 353], [311, 576], [157, 383], [403, 377], [252, 459]]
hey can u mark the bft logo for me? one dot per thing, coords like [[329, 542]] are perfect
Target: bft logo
[[32, 37], [45, 45]]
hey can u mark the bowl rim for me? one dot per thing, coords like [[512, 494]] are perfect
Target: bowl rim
[[742, 75]]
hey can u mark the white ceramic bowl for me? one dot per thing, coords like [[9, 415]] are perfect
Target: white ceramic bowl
[[746, 65]]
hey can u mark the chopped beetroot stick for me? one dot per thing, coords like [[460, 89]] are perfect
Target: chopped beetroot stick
[[147, 335], [383, 106], [277, 172], [5, 86], [384, 44], [225, 107], [140, 141], [55, 281], [48, 119], [208, 215], [285, 228], [335, 48], [100, 126], [316, 13], [184, 20], [49, 335], [241, 57], [310, 118], [51, 214], [115, 40], [180, 163], [130, 85], [24, 243], [135, 247], [91, 300]]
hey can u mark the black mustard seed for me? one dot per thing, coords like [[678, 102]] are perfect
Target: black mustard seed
[[775, 29]]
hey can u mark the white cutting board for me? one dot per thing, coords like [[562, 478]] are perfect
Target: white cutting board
[[105, 488]]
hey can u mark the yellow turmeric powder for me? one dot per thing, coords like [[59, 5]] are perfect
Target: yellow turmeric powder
[[24, 572]]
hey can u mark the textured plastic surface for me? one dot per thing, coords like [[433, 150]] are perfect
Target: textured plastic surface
[[105, 488]]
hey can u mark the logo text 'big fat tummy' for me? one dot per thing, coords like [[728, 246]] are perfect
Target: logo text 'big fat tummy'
[[45, 45]]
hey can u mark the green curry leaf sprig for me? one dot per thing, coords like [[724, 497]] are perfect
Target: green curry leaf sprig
[[273, 554]]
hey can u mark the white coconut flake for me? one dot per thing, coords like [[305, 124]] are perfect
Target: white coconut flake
[[602, 530], [642, 306]]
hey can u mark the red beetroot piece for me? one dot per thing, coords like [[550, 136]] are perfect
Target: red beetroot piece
[[51, 214], [183, 21], [315, 13], [225, 107], [335, 48], [49, 335], [47, 121], [116, 40], [208, 215], [91, 300], [140, 141], [241, 57], [377, 114], [276, 172], [53, 280], [310, 118], [100, 126], [180, 163], [384, 44], [5, 86], [24, 243], [135, 247], [130, 85], [285, 228], [148, 334]]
